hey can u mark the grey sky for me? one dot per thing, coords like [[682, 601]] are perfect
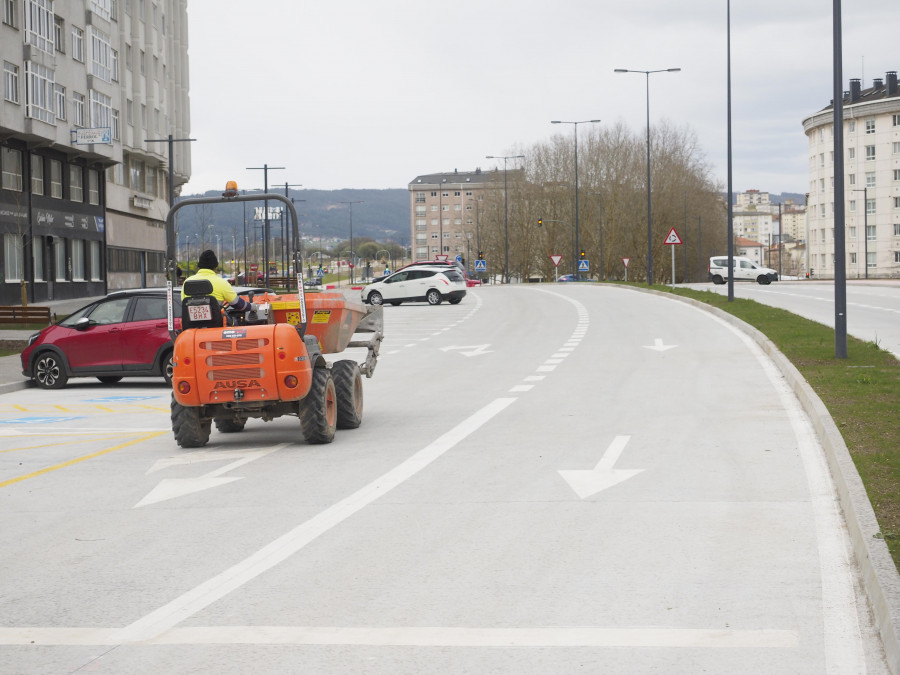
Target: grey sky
[[371, 93]]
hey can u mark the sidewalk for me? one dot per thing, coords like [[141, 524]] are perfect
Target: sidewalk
[[11, 378]]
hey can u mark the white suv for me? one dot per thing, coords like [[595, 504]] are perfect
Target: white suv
[[744, 270], [417, 284]]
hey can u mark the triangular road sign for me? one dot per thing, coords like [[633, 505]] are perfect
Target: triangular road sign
[[556, 260], [673, 237]]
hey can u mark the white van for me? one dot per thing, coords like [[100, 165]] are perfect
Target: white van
[[744, 270]]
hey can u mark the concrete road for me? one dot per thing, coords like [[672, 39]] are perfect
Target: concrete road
[[873, 307], [547, 480]]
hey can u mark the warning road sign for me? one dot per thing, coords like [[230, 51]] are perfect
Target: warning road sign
[[673, 237]]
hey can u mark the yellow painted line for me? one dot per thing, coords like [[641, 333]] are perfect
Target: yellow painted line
[[68, 441], [62, 408], [77, 460]]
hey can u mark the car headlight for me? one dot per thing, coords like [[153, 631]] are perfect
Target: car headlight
[[32, 338]]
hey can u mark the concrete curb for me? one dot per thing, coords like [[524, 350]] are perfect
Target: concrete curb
[[881, 579]]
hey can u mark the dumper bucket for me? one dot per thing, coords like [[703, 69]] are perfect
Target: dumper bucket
[[332, 318]]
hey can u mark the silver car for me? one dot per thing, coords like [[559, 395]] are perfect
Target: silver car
[[417, 284]]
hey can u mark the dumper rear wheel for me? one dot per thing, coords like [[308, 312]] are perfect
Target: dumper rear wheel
[[318, 411], [348, 387], [190, 430]]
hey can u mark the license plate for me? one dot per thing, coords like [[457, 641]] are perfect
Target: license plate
[[200, 312]]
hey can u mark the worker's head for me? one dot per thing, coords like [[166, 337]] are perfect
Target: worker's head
[[208, 260]]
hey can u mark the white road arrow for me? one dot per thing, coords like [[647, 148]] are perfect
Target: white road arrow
[[658, 346], [589, 482], [475, 350], [170, 488]]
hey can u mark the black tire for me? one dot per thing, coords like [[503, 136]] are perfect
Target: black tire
[[109, 379], [49, 371], [764, 280], [718, 280], [349, 391], [227, 425], [318, 411], [455, 301], [433, 297], [374, 298], [190, 430], [167, 367]]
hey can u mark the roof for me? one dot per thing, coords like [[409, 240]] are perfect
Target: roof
[[747, 243], [460, 177]]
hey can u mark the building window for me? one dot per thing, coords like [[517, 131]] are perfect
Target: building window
[[10, 82], [420, 198], [101, 8], [93, 186], [13, 257], [114, 120], [897, 202], [870, 126], [59, 257], [95, 261], [78, 260], [897, 229], [60, 102], [852, 179], [56, 190], [851, 153], [101, 55], [11, 173], [78, 109], [896, 148], [114, 64], [821, 159], [852, 258], [37, 174], [851, 125], [37, 257], [59, 34], [10, 13], [39, 24], [870, 153], [101, 109], [870, 179], [870, 207], [871, 260], [897, 256], [77, 44], [852, 205], [76, 183], [39, 92]]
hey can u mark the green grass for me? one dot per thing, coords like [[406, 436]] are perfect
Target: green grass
[[861, 392]]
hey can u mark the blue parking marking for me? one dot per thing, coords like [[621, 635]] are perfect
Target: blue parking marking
[[39, 420]]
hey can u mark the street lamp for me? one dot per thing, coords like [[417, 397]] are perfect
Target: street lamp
[[647, 73], [505, 207], [575, 250], [865, 192], [351, 203]]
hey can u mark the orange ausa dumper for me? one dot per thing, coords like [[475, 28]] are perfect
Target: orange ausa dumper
[[268, 362]]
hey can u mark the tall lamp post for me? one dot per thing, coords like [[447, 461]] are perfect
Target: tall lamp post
[[647, 73], [350, 204], [505, 208], [575, 125]]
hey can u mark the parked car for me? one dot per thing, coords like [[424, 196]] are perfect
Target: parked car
[[744, 270], [124, 334], [417, 284]]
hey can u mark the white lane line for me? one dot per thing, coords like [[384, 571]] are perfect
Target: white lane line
[[535, 378], [406, 636], [545, 369], [196, 599], [842, 636], [521, 387]]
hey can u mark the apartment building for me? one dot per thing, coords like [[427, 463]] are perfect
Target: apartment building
[[90, 88], [444, 212], [871, 181]]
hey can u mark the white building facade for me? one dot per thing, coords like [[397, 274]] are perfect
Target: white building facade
[[84, 195], [871, 182]]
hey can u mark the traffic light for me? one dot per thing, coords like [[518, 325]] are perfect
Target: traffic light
[[480, 255], [582, 254], [540, 222]]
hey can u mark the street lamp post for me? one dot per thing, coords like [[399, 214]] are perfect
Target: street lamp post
[[505, 208], [647, 73], [575, 125], [350, 204]]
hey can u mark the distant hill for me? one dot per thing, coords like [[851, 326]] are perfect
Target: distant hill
[[383, 215]]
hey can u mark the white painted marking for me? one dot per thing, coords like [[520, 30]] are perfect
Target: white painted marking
[[406, 636], [658, 346], [553, 361], [535, 378], [587, 483], [559, 356], [473, 350], [545, 369], [521, 387], [196, 599]]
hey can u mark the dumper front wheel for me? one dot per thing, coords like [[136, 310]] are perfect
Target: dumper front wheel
[[190, 430], [348, 387], [318, 411]]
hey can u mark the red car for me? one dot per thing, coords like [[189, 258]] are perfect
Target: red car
[[123, 335]]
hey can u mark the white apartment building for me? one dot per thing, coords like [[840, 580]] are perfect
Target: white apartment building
[[871, 181], [89, 86], [793, 221]]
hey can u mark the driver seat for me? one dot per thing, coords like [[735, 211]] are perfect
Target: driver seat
[[199, 308]]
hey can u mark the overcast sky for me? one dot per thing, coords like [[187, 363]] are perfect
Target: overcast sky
[[371, 93]]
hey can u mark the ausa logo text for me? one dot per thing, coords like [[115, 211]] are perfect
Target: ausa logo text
[[236, 384]]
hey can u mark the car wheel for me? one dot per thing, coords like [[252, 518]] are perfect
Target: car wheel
[[228, 425], [167, 367], [349, 391], [109, 379], [318, 411], [191, 431], [764, 280], [718, 280], [455, 301], [375, 298], [433, 297], [49, 372]]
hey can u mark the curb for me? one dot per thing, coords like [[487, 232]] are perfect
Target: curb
[[880, 577]]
